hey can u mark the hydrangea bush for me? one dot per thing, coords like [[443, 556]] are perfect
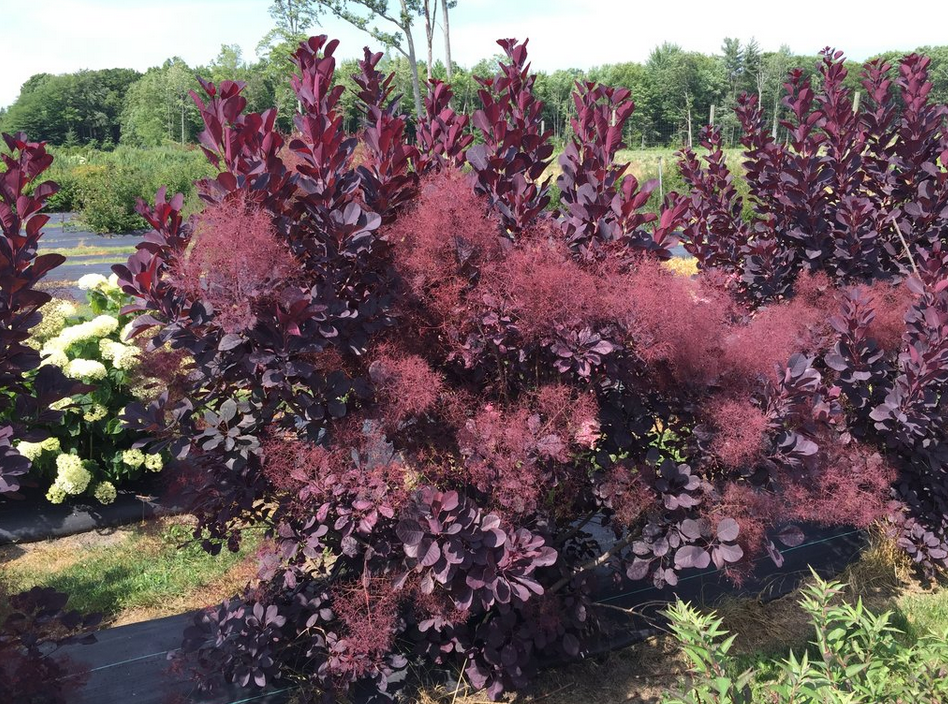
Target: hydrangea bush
[[88, 451], [459, 414]]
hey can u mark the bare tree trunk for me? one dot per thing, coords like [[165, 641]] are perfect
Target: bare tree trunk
[[776, 110], [412, 60], [688, 106], [431, 12], [447, 38]]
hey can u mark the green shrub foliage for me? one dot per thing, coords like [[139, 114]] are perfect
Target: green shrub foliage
[[856, 657]]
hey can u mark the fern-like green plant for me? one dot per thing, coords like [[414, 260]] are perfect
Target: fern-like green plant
[[858, 657]]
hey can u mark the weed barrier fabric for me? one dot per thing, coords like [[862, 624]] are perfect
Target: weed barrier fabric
[[130, 663], [34, 518]]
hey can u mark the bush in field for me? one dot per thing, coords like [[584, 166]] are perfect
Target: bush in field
[[35, 623], [107, 197], [857, 657], [104, 186], [427, 386], [88, 450], [861, 200]]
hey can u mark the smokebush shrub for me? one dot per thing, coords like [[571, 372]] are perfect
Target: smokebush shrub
[[860, 198], [35, 625], [21, 269], [430, 389]]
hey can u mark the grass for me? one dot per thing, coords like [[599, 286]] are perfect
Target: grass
[[91, 251], [924, 612], [131, 574], [88, 261]]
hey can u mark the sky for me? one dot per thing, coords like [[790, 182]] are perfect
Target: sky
[[60, 36]]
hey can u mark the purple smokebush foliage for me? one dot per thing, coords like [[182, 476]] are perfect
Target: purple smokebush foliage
[[21, 269], [37, 623], [36, 626], [862, 196], [427, 386], [510, 162]]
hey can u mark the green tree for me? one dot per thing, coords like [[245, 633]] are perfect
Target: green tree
[[158, 107], [556, 90], [294, 17], [446, 28], [685, 85], [776, 65], [82, 107], [753, 69], [229, 65], [635, 77]]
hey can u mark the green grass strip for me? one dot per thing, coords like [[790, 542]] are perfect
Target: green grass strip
[[89, 251], [140, 569]]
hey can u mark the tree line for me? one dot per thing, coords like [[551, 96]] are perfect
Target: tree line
[[674, 89]]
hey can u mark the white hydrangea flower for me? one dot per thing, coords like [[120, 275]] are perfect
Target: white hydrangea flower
[[103, 325], [71, 475], [147, 388], [60, 308], [56, 494], [57, 358], [133, 458], [126, 330], [74, 333], [105, 492], [98, 327], [110, 348], [95, 412], [113, 280], [51, 444], [54, 313], [127, 358], [122, 356], [55, 344], [154, 463], [61, 403], [91, 282], [30, 450], [85, 369], [66, 461]]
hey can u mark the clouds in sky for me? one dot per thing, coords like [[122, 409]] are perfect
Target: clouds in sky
[[58, 36]]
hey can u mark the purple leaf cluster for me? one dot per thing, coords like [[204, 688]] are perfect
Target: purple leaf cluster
[[860, 195], [510, 161]]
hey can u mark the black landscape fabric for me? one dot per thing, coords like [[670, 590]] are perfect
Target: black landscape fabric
[[129, 663]]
